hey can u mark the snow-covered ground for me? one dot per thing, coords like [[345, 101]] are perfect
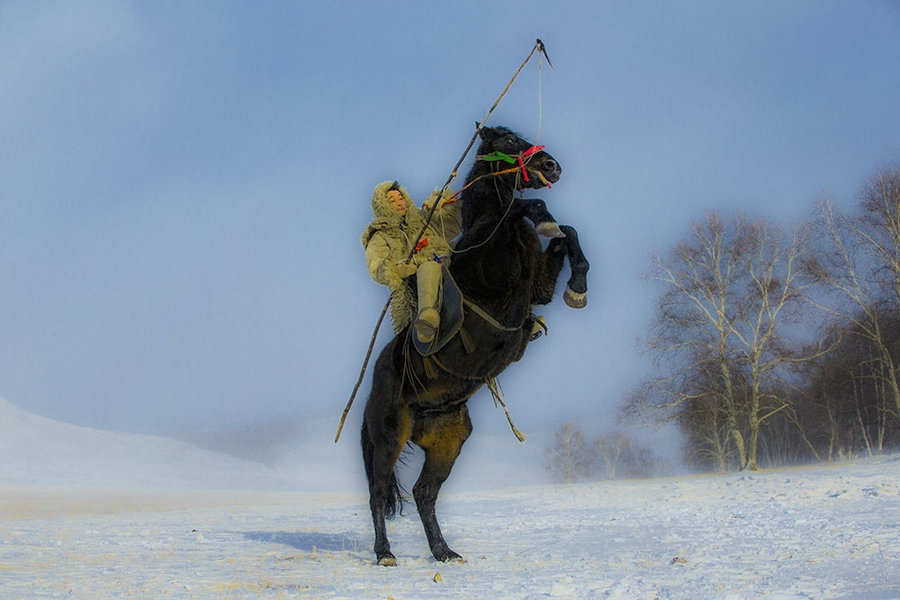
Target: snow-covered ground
[[829, 531]]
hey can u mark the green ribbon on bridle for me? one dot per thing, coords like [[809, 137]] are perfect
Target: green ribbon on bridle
[[497, 155]]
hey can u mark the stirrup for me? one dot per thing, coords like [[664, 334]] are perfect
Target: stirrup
[[539, 328], [425, 329]]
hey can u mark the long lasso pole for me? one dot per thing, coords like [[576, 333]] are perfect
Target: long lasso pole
[[538, 47]]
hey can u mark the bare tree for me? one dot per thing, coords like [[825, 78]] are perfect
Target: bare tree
[[618, 456], [772, 303], [612, 456], [693, 327], [845, 406], [570, 459], [878, 229], [730, 294], [859, 263], [613, 451], [707, 435]]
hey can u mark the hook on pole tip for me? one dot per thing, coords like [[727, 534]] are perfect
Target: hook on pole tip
[[543, 50]]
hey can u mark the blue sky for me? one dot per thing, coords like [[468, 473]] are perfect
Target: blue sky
[[183, 185]]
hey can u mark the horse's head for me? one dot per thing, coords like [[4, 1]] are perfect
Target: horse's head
[[528, 164]]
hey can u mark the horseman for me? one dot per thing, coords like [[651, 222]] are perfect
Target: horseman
[[388, 240]]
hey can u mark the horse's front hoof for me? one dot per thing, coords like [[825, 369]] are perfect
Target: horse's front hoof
[[574, 299], [550, 229], [388, 560]]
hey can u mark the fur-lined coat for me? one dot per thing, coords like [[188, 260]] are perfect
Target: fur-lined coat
[[389, 237]]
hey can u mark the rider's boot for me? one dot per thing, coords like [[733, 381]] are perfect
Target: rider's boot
[[428, 282]]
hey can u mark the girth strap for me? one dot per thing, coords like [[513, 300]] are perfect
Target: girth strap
[[491, 320]]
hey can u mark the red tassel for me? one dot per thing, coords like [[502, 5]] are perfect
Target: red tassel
[[524, 171]]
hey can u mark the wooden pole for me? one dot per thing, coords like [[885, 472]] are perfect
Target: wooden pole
[[538, 46]]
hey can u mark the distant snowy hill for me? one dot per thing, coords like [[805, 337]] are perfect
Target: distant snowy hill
[[36, 451], [297, 455]]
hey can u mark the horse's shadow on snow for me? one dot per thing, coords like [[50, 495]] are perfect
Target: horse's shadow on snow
[[308, 541]]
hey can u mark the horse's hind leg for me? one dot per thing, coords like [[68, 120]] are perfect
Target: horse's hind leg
[[442, 437], [383, 451], [385, 432]]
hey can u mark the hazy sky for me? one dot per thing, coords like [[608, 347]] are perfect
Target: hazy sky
[[183, 184]]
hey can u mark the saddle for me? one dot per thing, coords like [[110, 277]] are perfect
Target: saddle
[[451, 301]]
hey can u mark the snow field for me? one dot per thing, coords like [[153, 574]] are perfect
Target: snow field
[[818, 532], [92, 514]]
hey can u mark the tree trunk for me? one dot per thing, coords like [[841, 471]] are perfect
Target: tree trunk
[[754, 437], [739, 444]]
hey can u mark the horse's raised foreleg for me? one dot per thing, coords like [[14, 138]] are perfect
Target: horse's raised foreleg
[[442, 437], [547, 273], [576, 288], [537, 213]]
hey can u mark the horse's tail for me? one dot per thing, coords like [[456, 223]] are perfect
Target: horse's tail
[[394, 501]]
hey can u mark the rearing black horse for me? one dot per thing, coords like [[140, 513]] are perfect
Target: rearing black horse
[[500, 267]]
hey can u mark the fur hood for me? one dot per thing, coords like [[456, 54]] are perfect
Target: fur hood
[[381, 206], [387, 218], [444, 226]]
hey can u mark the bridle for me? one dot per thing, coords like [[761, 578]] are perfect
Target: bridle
[[522, 158], [521, 161]]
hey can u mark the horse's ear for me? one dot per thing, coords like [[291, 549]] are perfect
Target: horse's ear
[[486, 133]]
